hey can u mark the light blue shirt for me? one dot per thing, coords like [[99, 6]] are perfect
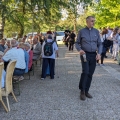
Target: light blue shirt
[[3, 77], [26, 60], [55, 48], [16, 54]]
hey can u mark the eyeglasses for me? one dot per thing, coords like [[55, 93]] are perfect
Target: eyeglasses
[[92, 20]]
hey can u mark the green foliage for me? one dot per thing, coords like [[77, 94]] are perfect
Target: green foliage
[[107, 13], [23, 16]]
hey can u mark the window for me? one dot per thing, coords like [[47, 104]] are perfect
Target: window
[[60, 34]]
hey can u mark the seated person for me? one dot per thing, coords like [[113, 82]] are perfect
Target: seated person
[[1, 54], [36, 48], [28, 49], [2, 43], [22, 46], [7, 46], [18, 55]]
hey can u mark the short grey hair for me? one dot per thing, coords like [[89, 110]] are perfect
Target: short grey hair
[[20, 39], [27, 44], [89, 17], [14, 43], [8, 40]]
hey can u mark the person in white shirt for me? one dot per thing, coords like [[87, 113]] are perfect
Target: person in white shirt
[[110, 30], [18, 55], [49, 60], [115, 43], [118, 37]]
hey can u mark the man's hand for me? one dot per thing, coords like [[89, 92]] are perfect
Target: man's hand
[[57, 55], [1, 60], [82, 52], [98, 57]]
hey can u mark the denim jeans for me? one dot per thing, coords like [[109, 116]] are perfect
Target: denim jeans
[[18, 72]]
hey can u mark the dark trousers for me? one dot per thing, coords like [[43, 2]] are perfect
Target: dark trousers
[[18, 72], [71, 46], [88, 69], [102, 58], [111, 49], [45, 63], [66, 43], [103, 55]]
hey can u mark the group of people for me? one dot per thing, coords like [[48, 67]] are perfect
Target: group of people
[[110, 39], [25, 53], [69, 39], [41, 37], [91, 44]]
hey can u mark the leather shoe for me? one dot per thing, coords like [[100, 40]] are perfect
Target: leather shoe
[[82, 95], [88, 95]]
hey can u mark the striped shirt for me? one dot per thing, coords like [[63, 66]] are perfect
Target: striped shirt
[[16, 54]]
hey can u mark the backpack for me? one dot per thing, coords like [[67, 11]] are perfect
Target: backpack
[[48, 48], [107, 43]]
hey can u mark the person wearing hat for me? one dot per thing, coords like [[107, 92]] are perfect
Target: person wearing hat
[[49, 59]]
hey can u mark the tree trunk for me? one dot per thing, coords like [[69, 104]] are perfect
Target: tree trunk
[[21, 32], [2, 25], [75, 25]]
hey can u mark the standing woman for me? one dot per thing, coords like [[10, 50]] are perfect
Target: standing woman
[[118, 39], [115, 43], [104, 36]]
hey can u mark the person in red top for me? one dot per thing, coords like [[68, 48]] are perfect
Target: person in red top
[[28, 49]]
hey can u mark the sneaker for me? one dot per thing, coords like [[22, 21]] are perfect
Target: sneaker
[[15, 77], [115, 59], [21, 78], [102, 65], [97, 64], [42, 78]]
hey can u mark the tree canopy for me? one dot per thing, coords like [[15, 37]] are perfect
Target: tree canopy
[[23, 16]]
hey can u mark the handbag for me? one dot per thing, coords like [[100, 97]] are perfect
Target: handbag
[[107, 43]]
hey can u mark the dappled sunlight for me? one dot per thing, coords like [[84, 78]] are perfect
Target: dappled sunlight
[[73, 72], [99, 75], [67, 57], [62, 58], [109, 61], [73, 53]]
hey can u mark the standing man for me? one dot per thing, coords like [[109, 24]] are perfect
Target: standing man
[[89, 45]]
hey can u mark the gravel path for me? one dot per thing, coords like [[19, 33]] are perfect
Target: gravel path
[[58, 99]]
